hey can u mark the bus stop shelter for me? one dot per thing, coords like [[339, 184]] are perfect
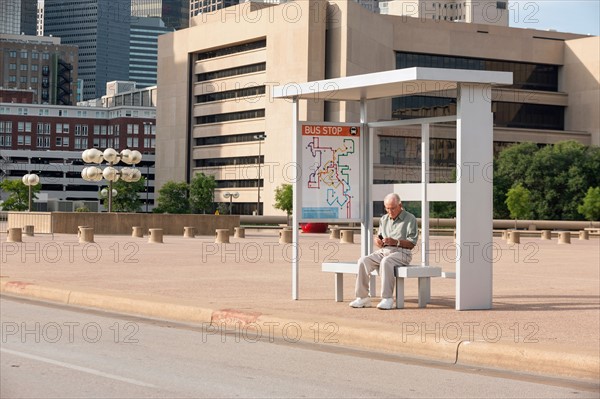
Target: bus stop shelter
[[474, 145]]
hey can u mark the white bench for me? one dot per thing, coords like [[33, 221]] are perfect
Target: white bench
[[423, 273]]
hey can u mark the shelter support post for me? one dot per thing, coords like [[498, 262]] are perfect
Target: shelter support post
[[366, 181], [296, 147], [474, 131], [424, 199]]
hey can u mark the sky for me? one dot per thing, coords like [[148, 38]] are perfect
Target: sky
[[573, 16]]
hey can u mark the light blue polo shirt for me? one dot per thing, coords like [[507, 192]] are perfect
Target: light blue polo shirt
[[403, 227]]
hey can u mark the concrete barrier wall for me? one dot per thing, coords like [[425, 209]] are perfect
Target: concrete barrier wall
[[121, 223], [449, 223], [42, 221]]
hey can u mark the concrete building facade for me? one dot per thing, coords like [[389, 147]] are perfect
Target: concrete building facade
[[215, 79]]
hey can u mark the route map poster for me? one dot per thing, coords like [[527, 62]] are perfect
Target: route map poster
[[330, 172]]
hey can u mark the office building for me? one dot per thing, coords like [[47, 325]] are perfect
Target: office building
[[209, 6], [18, 17], [215, 79], [489, 12], [143, 50], [48, 140], [40, 18], [174, 13], [100, 29], [39, 64]]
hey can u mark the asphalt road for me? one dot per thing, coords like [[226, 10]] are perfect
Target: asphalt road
[[49, 351]]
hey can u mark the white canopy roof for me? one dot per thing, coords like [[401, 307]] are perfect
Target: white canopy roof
[[393, 83]]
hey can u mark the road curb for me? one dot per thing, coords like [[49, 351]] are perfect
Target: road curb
[[530, 358], [527, 358]]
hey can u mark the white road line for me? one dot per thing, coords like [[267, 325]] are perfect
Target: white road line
[[78, 368]]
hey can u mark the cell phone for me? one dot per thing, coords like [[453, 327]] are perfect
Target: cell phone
[[380, 237]]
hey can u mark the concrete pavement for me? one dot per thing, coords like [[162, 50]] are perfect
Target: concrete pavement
[[545, 319]]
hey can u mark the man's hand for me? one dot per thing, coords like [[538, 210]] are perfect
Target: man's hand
[[379, 242], [390, 241]]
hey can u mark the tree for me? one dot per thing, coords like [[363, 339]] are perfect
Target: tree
[[590, 208], [127, 198], [510, 168], [557, 177], [18, 198], [202, 193], [173, 198], [518, 202], [284, 199]]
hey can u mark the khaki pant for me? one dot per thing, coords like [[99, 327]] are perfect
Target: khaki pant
[[384, 259]]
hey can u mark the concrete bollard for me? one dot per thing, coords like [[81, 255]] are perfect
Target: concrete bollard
[[240, 232], [347, 236], [28, 230], [156, 236], [514, 237], [189, 232], [86, 234], [222, 236], [285, 236], [79, 230], [137, 231], [584, 235], [505, 235], [14, 235], [546, 235], [334, 233], [564, 237]]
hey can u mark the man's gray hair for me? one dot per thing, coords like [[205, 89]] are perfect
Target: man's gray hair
[[394, 197]]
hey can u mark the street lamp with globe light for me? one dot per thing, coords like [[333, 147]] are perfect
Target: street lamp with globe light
[[110, 155], [30, 180], [231, 196], [260, 138]]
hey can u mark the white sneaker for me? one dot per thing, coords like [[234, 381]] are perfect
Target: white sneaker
[[361, 303], [386, 304]]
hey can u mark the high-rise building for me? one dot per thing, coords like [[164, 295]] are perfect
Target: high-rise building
[[41, 65], [100, 28], [143, 49], [216, 114], [18, 17], [207, 6], [174, 13], [40, 18], [489, 12]]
